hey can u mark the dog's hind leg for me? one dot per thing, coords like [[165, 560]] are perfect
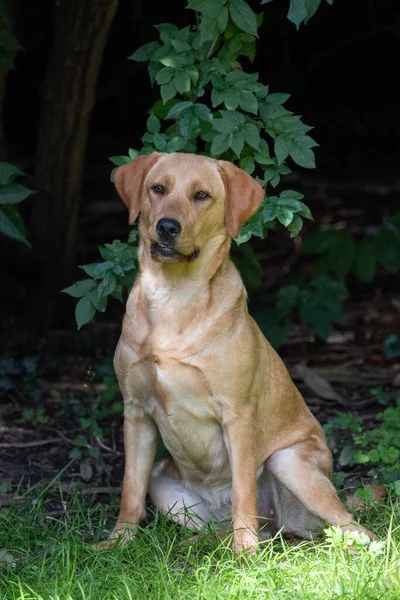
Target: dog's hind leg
[[305, 497], [180, 503]]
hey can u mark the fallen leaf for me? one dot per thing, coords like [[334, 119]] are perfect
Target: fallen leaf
[[396, 380], [86, 471], [379, 494], [6, 557], [317, 384]]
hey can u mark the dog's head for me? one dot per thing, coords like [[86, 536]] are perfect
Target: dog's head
[[185, 200]]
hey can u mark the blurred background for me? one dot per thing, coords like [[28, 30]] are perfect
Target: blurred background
[[70, 99]]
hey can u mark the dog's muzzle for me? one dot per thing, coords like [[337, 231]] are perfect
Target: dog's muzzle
[[163, 250]]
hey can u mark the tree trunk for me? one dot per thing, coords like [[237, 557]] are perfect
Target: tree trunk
[[80, 33], [7, 63]]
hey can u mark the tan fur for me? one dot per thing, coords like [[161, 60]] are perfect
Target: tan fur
[[193, 365]]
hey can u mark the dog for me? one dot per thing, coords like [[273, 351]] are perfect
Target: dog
[[193, 365]]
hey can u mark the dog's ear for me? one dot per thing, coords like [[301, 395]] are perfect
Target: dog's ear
[[129, 180], [243, 196]]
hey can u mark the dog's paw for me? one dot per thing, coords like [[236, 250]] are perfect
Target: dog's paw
[[121, 535], [244, 540], [360, 530]]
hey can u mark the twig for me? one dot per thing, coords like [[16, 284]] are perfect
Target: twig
[[31, 444], [61, 385], [211, 50], [100, 443], [101, 490], [16, 430]]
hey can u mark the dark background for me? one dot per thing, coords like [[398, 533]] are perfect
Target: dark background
[[341, 69]]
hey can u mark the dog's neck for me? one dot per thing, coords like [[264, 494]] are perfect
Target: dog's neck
[[170, 298]]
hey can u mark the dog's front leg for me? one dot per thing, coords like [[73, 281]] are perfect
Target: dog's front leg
[[140, 441], [240, 437]]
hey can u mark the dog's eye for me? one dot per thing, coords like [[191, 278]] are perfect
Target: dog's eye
[[158, 189], [201, 196]]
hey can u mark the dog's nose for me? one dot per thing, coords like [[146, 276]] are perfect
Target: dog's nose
[[168, 228]]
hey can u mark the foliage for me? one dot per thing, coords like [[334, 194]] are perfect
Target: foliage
[[391, 346], [89, 414], [23, 370], [210, 105], [379, 448], [317, 305], [8, 43], [11, 193], [107, 278], [341, 255]]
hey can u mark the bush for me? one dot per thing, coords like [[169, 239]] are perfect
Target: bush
[[210, 105], [12, 193]]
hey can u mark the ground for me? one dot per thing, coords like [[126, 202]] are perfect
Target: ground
[[61, 462]]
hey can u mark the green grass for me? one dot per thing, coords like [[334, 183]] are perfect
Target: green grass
[[54, 560]]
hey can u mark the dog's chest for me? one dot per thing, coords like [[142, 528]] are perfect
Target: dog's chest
[[177, 396]]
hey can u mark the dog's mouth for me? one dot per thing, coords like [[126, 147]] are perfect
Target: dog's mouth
[[164, 253]]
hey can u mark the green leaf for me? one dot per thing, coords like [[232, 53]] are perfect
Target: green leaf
[[287, 299], [80, 288], [230, 98], [153, 124], [84, 311], [262, 156], [252, 135], [12, 193], [181, 45], [182, 82], [284, 215], [200, 5], [8, 41], [365, 261], [100, 304], [145, 52], [202, 112], [160, 141], [341, 255], [188, 123], [387, 245], [282, 147], [11, 224], [175, 144], [254, 226], [168, 91], [97, 270], [133, 153], [243, 16], [120, 160], [165, 75], [237, 142], [178, 110], [277, 99], [248, 265], [295, 226], [247, 164], [174, 61], [248, 102], [217, 97], [8, 173], [301, 152], [270, 210], [220, 144], [302, 10], [391, 346], [107, 286]]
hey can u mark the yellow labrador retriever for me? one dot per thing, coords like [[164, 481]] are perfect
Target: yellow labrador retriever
[[193, 365]]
